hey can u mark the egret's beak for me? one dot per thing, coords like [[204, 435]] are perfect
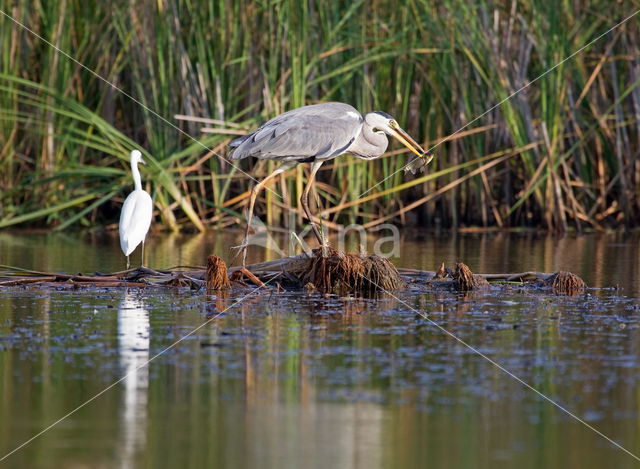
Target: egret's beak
[[406, 140], [142, 161]]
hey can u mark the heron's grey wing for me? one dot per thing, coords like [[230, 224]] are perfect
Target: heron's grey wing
[[319, 131]]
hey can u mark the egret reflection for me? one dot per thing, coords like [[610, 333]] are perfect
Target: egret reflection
[[133, 348]]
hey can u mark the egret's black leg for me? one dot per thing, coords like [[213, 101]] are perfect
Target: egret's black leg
[[304, 200]]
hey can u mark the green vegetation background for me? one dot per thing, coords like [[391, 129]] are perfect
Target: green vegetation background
[[563, 154]]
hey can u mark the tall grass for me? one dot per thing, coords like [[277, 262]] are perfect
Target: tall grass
[[562, 154]]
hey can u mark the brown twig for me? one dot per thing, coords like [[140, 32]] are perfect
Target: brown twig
[[243, 272]]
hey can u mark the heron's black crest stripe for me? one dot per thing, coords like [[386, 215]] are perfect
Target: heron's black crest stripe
[[383, 114]]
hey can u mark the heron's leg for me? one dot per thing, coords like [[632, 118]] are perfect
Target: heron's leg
[[128, 265], [304, 200], [252, 201], [142, 265]]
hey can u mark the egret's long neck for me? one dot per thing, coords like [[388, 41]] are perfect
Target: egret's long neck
[[369, 144], [137, 182]]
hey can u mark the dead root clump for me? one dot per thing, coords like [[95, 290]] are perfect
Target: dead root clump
[[565, 283], [183, 281], [442, 272], [217, 277], [343, 273], [466, 280]]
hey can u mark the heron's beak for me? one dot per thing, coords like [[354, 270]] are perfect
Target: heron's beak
[[406, 140], [142, 161]]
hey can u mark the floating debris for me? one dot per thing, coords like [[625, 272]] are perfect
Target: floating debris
[[565, 283], [442, 272], [324, 270], [217, 276], [181, 280], [239, 274], [465, 280], [332, 271]]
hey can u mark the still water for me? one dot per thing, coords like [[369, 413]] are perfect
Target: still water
[[288, 380]]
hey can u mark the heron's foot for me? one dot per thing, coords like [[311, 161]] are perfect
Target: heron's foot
[[322, 237], [324, 240], [324, 243]]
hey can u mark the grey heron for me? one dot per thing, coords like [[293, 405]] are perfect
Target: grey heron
[[315, 134]]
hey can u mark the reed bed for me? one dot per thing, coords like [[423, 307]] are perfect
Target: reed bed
[[561, 155]]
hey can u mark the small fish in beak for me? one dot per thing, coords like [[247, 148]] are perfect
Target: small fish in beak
[[418, 163]]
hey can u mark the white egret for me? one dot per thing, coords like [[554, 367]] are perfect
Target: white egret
[[137, 210]]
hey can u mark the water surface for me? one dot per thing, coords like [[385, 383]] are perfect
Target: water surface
[[297, 380]]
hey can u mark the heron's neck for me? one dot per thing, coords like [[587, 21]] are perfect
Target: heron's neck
[[369, 144], [137, 182]]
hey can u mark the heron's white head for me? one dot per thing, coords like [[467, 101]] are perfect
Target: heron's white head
[[136, 157], [384, 123]]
